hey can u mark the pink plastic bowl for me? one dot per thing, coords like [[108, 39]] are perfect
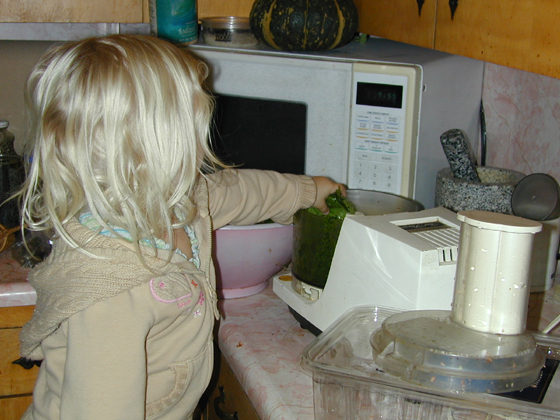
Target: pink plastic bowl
[[247, 256]]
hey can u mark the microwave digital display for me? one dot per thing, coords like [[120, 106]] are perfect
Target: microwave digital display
[[375, 94]]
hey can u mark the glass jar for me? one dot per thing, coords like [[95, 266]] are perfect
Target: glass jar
[[12, 175]]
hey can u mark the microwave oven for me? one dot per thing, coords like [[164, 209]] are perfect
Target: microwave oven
[[368, 115]]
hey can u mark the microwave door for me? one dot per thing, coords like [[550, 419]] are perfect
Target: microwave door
[[296, 87], [257, 133]]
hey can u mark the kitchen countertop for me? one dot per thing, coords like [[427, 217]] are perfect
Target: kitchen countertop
[[262, 342], [14, 289]]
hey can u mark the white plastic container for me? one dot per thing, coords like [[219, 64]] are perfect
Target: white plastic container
[[544, 260], [228, 31], [348, 385], [492, 283]]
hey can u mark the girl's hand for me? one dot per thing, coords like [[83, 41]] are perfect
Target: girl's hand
[[325, 187]]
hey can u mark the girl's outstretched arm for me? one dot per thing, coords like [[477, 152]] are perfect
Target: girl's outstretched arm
[[325, 187]]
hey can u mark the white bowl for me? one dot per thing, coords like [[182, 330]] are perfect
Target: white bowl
[[245, 257]]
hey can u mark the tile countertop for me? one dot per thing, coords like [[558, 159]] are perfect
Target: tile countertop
[[262, 342]]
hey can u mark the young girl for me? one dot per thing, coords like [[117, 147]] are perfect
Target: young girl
[[123, 174]]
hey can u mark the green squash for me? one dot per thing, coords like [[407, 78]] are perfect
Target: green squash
[[304, 25]]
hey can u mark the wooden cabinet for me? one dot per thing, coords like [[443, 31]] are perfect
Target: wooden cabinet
[[240, 8], [105, 11], [225, 398], [16, 383], [522, 34], [400, 20]]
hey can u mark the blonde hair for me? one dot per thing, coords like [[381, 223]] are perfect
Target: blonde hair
[[119, 126]]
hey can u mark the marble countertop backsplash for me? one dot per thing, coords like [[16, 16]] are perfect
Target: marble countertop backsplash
[[522, 120]]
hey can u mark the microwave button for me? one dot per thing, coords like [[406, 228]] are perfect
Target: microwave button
[[378, 118], [391, 148], [362, 125], [362, 169], [376, 185], [361, 174], [391, 168], [376, 146], [362, 156], [377, 135], [392, 119], [378, 127], [392, 137], [393, 128], [389, 186], [361, 165], [361, 183], [362, 116], [364, 174], [389, 178], [361, 143], [388, 159]]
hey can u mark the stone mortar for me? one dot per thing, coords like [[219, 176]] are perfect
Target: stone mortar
[[493, 193]]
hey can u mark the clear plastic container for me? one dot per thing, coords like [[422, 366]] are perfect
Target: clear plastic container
[[347, 384], [12, 175], [429, 349], [228, 31]]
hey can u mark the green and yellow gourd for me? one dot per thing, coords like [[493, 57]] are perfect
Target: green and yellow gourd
[[304, 25]]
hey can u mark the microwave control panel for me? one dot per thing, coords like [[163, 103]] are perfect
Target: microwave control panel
[[384, 128]]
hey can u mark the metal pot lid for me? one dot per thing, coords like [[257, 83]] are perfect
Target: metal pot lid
[[375, 203], [536, 197]]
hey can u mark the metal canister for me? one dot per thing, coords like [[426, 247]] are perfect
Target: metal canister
[[174, 20]]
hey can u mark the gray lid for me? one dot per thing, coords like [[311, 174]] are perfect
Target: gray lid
[[427, 348], [226, 22], [4, 124], [536, 197]]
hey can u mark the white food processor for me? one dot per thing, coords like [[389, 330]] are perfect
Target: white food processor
[[481, 344], [402, 258]]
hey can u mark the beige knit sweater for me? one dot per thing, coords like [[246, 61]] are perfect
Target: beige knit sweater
[[122, 342], [70, 281]]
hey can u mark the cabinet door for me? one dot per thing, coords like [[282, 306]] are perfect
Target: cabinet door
[[13, 408], [522, 34], [409, 21], [209, 8], [16, 383], [105, 11], [14, 379], [227, 399]]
